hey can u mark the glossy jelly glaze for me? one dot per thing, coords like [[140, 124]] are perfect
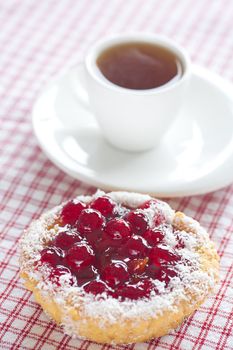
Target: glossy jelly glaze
[[105, 247]]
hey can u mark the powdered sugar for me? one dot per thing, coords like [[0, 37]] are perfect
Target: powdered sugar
[[192, 284]]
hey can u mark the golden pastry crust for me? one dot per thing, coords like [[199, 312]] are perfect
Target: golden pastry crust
[[139, 321]]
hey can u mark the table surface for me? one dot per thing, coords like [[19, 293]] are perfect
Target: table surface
[[37, 40]]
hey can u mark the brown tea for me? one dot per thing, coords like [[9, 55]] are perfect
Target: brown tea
[[137, 65]]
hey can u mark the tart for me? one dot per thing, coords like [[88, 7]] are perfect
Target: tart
[[118, 267]]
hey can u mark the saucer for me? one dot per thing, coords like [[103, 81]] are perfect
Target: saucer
[[195, 156]]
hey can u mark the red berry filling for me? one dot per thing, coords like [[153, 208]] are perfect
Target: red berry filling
[[115, 273], [153, 237], [138, 221], [116, 231], [71, 211], [80, 256], [96, 287], [138, 290], [108, 248], [104, 205], [90, 220], [161, 255], [66, 239], [136, 247], [51, 256]]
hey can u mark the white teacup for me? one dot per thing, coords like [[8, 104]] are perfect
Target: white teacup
[[134, 120]]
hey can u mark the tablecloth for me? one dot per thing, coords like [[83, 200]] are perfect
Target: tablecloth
[[38, 38]]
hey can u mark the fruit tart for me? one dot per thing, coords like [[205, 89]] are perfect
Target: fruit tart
[[118, 267]]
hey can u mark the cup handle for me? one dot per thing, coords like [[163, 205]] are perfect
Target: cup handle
[[80, 85]]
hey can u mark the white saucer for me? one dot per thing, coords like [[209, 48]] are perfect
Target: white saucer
[[195, 157]]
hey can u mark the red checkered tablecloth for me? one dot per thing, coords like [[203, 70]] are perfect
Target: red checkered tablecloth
[[38, 38]]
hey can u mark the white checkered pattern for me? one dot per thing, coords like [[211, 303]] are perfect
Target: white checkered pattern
[[38, 38]]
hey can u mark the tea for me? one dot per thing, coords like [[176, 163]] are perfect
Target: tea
[[139, 66]]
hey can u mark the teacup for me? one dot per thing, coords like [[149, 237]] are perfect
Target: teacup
[[134, 119]]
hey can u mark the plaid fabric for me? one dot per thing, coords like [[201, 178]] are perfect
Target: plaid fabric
[[37, 40]]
